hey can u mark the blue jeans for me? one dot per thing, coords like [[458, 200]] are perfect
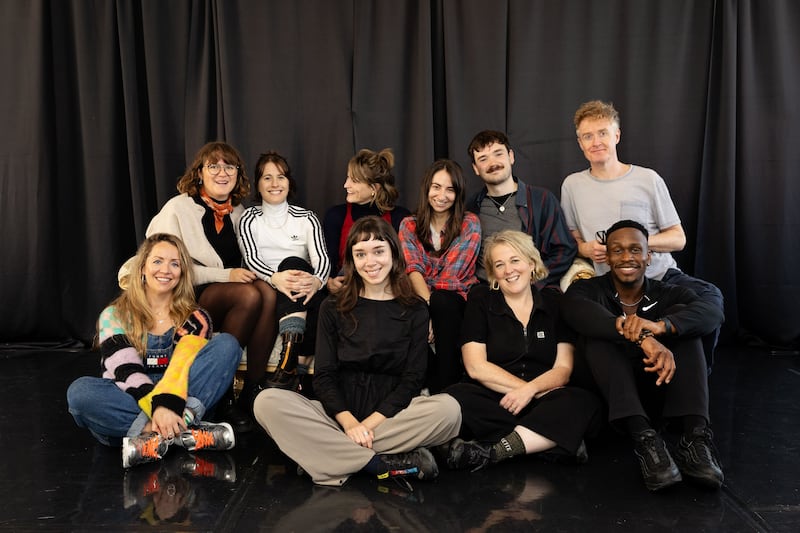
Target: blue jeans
[[706, 291], [109, 413]]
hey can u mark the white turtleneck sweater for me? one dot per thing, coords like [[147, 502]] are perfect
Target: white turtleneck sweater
[[268, 234]]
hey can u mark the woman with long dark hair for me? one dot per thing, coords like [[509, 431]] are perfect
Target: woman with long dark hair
[[441, 243]]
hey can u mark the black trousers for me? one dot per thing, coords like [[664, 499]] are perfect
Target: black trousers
[[619, 373], [445, 366]]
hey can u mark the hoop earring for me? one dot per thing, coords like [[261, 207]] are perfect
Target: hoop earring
[[495, 285], [144, 280]]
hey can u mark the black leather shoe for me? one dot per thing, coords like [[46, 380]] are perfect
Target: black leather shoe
[[230, 412], [284, 380]]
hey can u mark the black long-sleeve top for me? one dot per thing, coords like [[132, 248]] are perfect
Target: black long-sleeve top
[[378, 365], [591, 307]]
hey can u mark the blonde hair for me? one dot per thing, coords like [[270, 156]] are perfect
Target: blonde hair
[[523, 244], [132, 307], [596, 109]]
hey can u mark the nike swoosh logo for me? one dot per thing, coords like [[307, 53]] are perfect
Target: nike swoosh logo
[[647, 307]]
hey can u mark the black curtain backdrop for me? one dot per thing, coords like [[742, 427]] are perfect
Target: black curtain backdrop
[[105, 102]]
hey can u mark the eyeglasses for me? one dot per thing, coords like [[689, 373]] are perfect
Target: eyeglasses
[[214, 169], [600, 236], [589, 137]]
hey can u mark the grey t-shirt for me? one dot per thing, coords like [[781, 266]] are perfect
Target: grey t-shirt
[[591, 205]]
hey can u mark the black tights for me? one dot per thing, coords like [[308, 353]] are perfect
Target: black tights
[[246, 311]]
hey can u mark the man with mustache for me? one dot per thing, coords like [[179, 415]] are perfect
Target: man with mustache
[[641, 340], [506, 202], [610, 190]]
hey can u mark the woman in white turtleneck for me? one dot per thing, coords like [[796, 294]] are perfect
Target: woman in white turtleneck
[[284, 245]]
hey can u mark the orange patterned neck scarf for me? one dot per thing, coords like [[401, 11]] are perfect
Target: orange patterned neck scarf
[[220, 209]]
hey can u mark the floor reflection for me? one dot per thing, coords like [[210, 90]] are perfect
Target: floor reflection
[[170, 491]]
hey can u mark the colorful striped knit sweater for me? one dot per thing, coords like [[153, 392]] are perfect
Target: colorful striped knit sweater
[[129, 369]]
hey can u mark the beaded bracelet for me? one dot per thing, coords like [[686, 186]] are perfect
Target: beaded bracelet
[[643, 335]]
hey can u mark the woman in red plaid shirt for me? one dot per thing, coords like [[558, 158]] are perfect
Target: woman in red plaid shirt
[[441, 244]]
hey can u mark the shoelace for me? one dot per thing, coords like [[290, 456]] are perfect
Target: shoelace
[[477, 458], [202, 439], [399, 476], [204, 468], [656, 453], [712, 448], [150, 447]]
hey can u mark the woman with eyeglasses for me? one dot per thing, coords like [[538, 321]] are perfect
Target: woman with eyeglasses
[[206, 218]]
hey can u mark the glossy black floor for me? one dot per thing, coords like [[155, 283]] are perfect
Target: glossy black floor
[[54, 477]]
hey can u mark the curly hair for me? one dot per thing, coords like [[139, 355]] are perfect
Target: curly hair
[[212, 152], [596, 109]]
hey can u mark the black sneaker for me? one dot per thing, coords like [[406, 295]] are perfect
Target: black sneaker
[[697, 459], [417, 464], [468, 454], [658, 468]]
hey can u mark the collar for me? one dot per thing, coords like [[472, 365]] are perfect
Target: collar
[[520, 199], [611, 289], [498, 306], [279, 210]]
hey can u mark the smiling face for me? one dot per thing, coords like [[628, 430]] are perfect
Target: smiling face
[[372, 260], [162, 268], [511, 268], [357, 192], [493, 163], [441, 194], [627, 255], [598, 139], [219, 187], [273, 184]]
